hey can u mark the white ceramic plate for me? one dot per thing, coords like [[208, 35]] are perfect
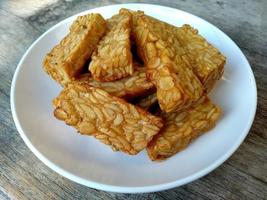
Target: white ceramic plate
[[86, 161]]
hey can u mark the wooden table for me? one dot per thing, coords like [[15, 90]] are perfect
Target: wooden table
[[23, 176]]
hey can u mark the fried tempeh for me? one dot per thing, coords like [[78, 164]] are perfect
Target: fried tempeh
[[181, 128], [205, 60], [127, 88], [112, 120], [66, 59], [112, 59], [177, 86]]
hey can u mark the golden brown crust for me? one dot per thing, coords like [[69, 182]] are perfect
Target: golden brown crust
[[204, 59], [181, 128], [177, 86], [112, 120], [112, 59], [207, 62], [127, 88], [66, 59]]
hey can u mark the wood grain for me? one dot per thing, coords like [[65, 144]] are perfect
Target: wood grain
[[23, 176]]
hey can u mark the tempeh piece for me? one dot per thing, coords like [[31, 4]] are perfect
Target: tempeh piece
[[147, 102], [113, 59], [66, 59], [181, 128], [128, 88], [205, 60], [112, 120], [177, 86]]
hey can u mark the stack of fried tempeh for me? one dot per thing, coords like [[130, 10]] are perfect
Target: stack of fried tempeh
[[113, 100]]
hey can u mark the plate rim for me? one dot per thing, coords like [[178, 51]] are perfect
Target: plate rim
[[131, 189]]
